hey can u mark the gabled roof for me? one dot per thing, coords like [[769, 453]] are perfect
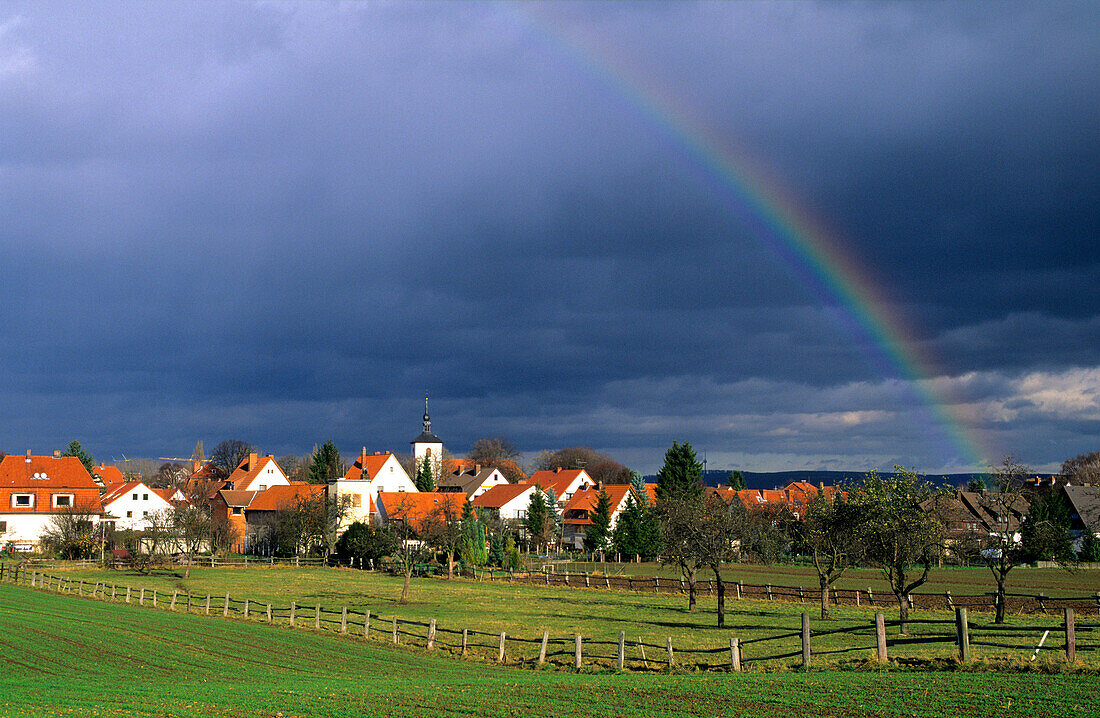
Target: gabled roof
[[65, 472], [1085, 502], [173, 496], [558, 480], [585, 501], [370, 463], [203, 471], [251, 468], [467, 482], [108, 474], [501, 494], [275, 498], [237, 499], [117, 491], [413, 507]]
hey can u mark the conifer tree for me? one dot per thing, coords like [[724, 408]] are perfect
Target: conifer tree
[[424, 479], [496, 549], [75, 449], [681, 475], [537, 521], [554, 512], [736, 480], [637, 482], [474, 552], [598, 535], [325, 465]]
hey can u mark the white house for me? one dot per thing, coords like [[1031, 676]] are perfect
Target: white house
[[581, 507], [564, 482], [33, 489], [370, 475], [510, 500], [472, 483], [130, 504], [257, 473]]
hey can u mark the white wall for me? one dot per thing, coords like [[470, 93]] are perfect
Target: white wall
[[147, 502]]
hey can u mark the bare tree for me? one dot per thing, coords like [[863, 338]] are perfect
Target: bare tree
[[680, 533], [193, 526], [1083, 469], [229, 454], [443, 531], [830, 532], [718, 527], [72, 531], [411, 549]]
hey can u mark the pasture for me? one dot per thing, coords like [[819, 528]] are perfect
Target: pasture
[[64, 656], [525, 611]]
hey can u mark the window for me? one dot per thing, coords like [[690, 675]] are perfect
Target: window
[[145, 497], [135, 497], [236, 510], [62, 499], [22, 500], [263, 487], [129, 514], [356, 500], [3, 526], [144, 514]]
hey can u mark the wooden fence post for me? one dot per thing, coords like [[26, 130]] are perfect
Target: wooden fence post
[[542, 646], [172, 606], [768, 588], [880, 636], [366, 624], [154, 598], [269, 613], [805, 638], [577, 651], [246, 607], [395, 630], [225, 609], [1071, 636], [738, 585], [735, 654], [317, 617], [431, 634], [656, 584], [500, 653], [962, 633], [141, 598], [607, 582], [870, 596], [801, 595], [622, 649], [857, 597], [947, 598], [80, 588], [465, 640], [671, 658], [344, 620], [188, 600], [127, 593], [292, 607], [641, 649], [587, 580]]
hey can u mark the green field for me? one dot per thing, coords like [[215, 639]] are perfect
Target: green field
[[64, 656], [525, 611]]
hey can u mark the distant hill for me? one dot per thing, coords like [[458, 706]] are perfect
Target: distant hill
[[779, 479]]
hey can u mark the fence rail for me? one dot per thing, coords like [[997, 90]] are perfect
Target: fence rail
[[578, 651]]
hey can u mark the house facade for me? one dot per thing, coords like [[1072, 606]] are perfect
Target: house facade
[[472, 483], [509, 501], [34, 489], [128, 505], [564, 482], [581, 507]]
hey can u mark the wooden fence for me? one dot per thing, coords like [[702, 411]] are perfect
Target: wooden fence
[[578, 651], [736, 590]]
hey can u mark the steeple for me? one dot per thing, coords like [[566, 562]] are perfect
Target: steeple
[[427, 419]]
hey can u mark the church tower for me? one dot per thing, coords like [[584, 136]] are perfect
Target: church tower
[[427, 444]]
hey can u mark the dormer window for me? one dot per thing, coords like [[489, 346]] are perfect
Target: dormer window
[[62, 500], [22, 500]]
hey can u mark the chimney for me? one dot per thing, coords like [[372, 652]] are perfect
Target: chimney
[[252, 460], [28, 456], [363, 456], [477, 468], [57, 453], [599, 486], [271, 456]]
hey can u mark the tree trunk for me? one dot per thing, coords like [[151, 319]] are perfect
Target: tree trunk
[[450, 565], [1000, 616], [824, 596], [721, 599], [691, 589], [903, 605], [405, 588], [187, 571]]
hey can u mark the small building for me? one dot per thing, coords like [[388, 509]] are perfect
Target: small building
[[370, 475], [129, 504], [414, 508], [509, 501], [257, 473], [564, 482], [472, 483], [34, 489], [109, 475], [578, 512]]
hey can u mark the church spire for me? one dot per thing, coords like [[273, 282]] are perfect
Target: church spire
[[427, 419]]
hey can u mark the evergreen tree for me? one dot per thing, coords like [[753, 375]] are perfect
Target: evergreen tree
[[537, 520], [474, 552], [736, 480], [325, 465], [424, 479], [75, 449], [497, 553], [1090, 548], [554, 512], [1045, 530], [626, 537], [598, 535], [637, 482], [680, 477]]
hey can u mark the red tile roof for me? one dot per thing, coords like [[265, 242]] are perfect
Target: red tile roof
[[45, 476], [371, 463], [585, 501], [559, 481], [250, 469], [279, 497], [108, 474], [413, 507], [501, 494]]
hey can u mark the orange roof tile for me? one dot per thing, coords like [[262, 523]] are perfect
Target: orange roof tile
[[45, 476], [559, 481], [501, 494], [275, 498], [586, 501], [108, 474], [249, 470], [371, 463]]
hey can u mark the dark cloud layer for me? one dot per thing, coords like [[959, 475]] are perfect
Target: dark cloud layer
[[288, 222]]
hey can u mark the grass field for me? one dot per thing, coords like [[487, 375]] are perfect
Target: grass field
[[525, 611], [64, 656]]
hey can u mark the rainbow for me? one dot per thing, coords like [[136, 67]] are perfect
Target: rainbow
[[804, 244]]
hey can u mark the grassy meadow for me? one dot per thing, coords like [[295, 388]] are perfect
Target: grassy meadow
[[525, 611], [66, 656]]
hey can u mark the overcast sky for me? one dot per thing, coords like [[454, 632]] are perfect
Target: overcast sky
[[287, 223]]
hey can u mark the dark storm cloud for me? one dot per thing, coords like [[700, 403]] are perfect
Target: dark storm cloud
[[288, 222]]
